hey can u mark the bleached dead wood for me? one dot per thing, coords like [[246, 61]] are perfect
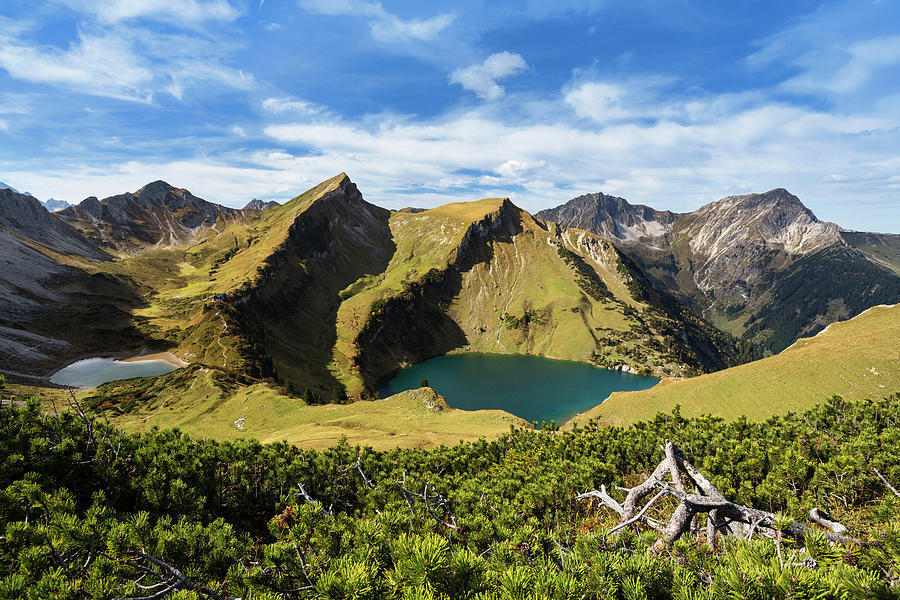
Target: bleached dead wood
[[824, 519], [886, 482], [723, 516]]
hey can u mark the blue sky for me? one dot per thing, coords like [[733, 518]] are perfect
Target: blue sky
[[668, 103]]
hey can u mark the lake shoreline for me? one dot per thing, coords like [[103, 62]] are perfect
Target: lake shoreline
[[116, 357], [122, 356], [531, 387]]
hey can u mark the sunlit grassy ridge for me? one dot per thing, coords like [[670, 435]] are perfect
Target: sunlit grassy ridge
[[859, 358], [330, 293]]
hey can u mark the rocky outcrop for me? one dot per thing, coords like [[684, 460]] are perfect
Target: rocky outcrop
[[612, 217], [747, 260], [157, 215], [257, 204]]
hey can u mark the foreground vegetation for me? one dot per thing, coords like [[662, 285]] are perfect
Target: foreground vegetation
[[89, 512]]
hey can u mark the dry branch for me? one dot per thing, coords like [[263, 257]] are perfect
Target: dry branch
[[886, 482], [723, 515]]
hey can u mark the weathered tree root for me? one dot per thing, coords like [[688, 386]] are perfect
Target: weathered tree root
[[723, 517]]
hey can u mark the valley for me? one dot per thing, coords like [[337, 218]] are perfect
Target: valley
[[306, 307]]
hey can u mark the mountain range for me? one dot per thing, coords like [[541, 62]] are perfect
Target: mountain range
[[327, 293], [760, 266]]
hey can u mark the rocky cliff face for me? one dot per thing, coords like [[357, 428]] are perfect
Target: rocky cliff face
[[746, 261], [734, 244], [26, 216], [612, 217], [157, 215], [257, 204]]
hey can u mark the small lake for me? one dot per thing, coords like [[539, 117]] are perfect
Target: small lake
[[91, 372], [531, 387]]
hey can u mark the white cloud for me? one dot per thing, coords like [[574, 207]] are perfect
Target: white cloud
[[842, 51], [513, 169], [15, 104], [239, 131], [182, 12], [599, 101], [672, 163], [290, 105], [866, 59], [123, 62], [385, 26], [482, 78], [675, 162], [105, 66]]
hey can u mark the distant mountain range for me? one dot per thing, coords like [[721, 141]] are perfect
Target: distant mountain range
[[53, 205], [330, 293], [257, 204], [760, 266]]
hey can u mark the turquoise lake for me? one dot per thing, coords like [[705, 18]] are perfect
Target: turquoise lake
[[91, 372], [531, 387]]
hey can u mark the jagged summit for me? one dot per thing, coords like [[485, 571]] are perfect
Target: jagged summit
[[53, 205], [156, 214], [776, 218], [761, 265], [612, 217], [155, 189], [257, 204]]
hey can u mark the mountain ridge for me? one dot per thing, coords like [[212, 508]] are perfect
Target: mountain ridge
[[156, 214], [330, 292], [742, 260]]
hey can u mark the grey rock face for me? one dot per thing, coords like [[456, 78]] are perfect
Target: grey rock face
[[257, 204], [26, 216], [612, 217], [158, 214], [750, 259]]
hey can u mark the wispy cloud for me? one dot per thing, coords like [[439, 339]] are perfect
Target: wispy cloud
[[750, 148], [384, 26], [105, 66], [126, 62], [290, 105], [182, 12], [844, 51], [483, 78]]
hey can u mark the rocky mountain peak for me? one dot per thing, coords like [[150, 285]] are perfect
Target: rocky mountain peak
[[257, 204], [53, 205], [612, 217], [156, 214], [155, 189], [21, 212], [776, 219]]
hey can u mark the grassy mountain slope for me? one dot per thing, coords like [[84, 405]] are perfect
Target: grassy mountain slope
[[880, 248], [208, 402], [759, 266], [331, 293], [486, 276], [855, 359]]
